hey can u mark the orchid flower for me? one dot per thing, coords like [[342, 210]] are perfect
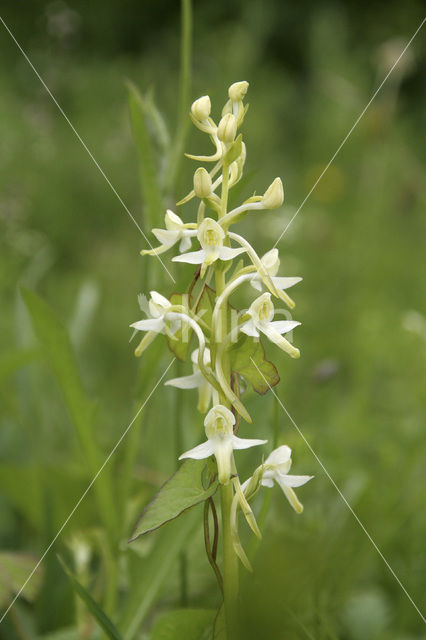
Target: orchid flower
[[221, 442], [276, 468], [211, 236], [271, 263], [196, 381], [261, 313], [158, 307], [175, 230]]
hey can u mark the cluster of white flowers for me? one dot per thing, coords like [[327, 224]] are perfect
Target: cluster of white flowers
[[218, 247]]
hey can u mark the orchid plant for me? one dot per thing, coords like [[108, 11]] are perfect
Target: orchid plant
[[229, 349]]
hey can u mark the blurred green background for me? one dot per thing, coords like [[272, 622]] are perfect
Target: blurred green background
[[357, 393]]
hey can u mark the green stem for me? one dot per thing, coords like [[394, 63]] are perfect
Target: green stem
[[230, 562]]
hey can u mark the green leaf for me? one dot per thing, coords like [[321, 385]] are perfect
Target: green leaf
[[242, 353], [188, 624], [179, 343], [14, 570], [148, 171], [96, 611], [183, 490], [60, 357], [150, 573]]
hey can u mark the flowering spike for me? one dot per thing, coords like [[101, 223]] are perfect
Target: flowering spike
[[223, 353]]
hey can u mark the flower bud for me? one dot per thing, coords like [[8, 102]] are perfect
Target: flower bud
[[238, 90], [227, 128], [201, 108], [274, 195], [202, 183]]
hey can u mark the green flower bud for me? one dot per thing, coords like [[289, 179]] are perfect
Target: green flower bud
[[201, 108], [202, 183], [227, 128], [238, 90], [274, 195]]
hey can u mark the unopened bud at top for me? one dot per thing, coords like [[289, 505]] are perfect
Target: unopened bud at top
[[202, 183], [227, 128], [238, 90], [201, 108], [274, 195]]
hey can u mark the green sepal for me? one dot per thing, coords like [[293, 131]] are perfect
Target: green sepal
[[243, 353], [183, 490]]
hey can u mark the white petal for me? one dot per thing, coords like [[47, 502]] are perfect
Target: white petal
[[186, 382], [256, 283], [226, 253], [279, 456], [267, 482], [172, 220], [150, 324], [245, 443], [283, 326], [194, 257], [204, 450], [157, 298], [249, 329], [185, 243], [167, 237], [292, 481], [285, 283]]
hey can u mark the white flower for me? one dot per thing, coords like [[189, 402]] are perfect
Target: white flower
[[175, 230], [196, 381], [158, 308], [220, 442], [261, 314], [211, 236], [271, 263], [276, 468]]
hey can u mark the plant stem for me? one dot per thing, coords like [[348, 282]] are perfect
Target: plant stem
[[230, 562]]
